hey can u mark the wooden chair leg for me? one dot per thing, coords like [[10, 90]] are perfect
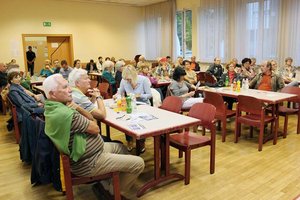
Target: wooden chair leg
[[224, 123], [298, 125], [187, 166], [236, 133], [286, 121], [275, 135], [203, 131], [180, 154], [116, 184], [212, 158], [260, 137], [251, 131]]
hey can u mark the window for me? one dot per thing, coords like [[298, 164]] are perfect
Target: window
[[184, 32]]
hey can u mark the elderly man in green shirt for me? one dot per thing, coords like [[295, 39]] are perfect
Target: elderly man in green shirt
[[75, 132]]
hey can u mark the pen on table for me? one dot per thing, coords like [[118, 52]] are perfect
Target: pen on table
[[141, 125], [120, 117]]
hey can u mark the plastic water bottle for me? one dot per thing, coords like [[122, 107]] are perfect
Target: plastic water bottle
[[238, 86], [133, 103], [244, 84], [226, 81], [247, 84]]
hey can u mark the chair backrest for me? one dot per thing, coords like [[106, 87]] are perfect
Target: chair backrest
[[172, 103], [204, 112], [13, 109], [94, 83], [103, 88], [216, 100], [209, 79], [201, 77], [250, 104], [292, 90]]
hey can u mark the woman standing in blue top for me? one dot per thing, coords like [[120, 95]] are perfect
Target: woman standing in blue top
[[132, 83]]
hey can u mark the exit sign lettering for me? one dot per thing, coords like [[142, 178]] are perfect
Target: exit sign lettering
[[47, 24]]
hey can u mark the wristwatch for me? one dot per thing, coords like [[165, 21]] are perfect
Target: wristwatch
[[99, 97]]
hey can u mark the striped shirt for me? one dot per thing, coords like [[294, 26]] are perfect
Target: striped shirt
[[94, 146], [82, 100]]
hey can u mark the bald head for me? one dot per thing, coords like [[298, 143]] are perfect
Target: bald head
[[3, 67]]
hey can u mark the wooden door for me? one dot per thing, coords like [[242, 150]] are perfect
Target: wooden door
[[39, 47], [59, 48]]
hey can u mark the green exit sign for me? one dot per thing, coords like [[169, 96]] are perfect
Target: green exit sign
[[47, 24]]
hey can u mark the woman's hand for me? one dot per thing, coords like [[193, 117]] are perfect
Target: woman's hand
[[37, 97], [191, 94]]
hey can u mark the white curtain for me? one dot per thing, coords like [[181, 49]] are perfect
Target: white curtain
[[264, 29], [213, 32], [160, 20], [290, 31]]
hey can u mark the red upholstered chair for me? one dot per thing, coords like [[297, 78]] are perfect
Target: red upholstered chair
[[103, 88], [71, 179], [222, 112], [255, 116], [285, 111], [201, 77], [186, 141], [94, 83], [110, 88], [209, 78], [172, 104], [15, 119]]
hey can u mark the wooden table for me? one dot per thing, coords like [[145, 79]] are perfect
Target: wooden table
[[161, 84], [273, 98], [95, 74], [161, 126], [265, 96], [37, 81]]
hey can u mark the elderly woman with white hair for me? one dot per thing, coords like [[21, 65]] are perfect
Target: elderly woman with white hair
[[107, 74], [119, 68], [132, 83], [79, 82]]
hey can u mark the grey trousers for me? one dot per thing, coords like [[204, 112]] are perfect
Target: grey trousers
[[114, 158]]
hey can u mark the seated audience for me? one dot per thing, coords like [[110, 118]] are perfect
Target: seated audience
[[77, 64], [254, 66], [267, 80], [22, 97], [46, 71], [91, 66], [89, 155], [119, 68], [179, 62], [144, 71], [138, 85], [162, 71], [274, 67], [288, 72], [179, 87], [191, 76], [194, 65], [247, 71], [216, 69], [65, 70], [235, 62], [113, 59], [56, 66], [107, 74], [107, 58], [3, 75]]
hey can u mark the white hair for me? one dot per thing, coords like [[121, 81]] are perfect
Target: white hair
[[75, 75], [119, 64], [107, 64], [51, 83]]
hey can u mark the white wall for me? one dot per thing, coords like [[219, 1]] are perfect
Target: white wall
[[97, 29]]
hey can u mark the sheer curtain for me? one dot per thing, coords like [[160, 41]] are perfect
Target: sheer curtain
[[256, 29], [160, 29], [264, 29], [290, 31], [213, 32]]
